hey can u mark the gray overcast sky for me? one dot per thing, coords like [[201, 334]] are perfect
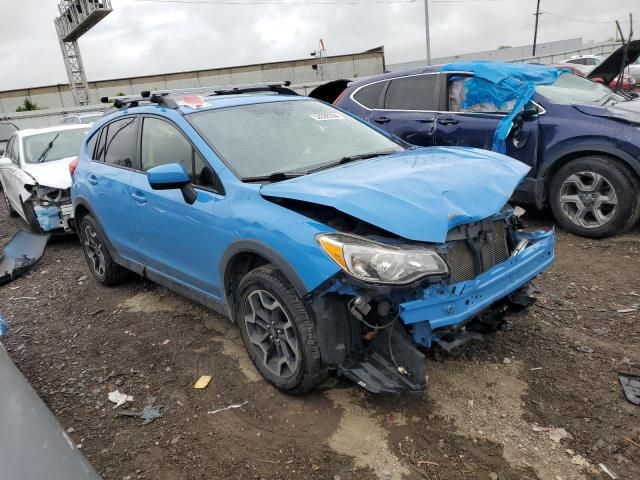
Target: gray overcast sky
[[140, 38]]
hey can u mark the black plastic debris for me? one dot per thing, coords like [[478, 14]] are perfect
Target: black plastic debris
[[21, 253], [630, 387]]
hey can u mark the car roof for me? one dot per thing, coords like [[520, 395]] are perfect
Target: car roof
[[215, 102], [394, 74], [27, 132]]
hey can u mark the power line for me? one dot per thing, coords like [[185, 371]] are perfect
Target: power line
[[580, 19]]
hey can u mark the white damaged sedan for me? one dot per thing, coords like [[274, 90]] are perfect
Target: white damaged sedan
[[35, 178]]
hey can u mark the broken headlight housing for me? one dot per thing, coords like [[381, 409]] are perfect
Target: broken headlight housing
[[376, 262]]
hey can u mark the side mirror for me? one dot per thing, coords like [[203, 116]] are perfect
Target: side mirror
[[172, 176], [4, 161]]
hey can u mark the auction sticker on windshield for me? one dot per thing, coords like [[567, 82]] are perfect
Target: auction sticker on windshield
[[321, 117]]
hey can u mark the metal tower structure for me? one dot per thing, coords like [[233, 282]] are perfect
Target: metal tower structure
[[76, 18]]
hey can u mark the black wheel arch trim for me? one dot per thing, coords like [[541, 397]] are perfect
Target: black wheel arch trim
[[260, 248]]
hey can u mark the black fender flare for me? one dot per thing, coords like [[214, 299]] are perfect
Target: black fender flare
[[260, 248]]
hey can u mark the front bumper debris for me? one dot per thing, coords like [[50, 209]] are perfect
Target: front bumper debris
[[20, 254], [443, 306], [388, 357]]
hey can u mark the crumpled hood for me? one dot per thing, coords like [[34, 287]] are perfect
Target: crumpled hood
[[418, 194], [610, 66], [628, 111], [51, 174]]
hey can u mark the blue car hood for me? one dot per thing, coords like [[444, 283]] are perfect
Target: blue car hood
[[418, 194]]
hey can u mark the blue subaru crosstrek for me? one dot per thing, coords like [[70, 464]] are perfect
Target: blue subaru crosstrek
[[580, 138], [332, 245]]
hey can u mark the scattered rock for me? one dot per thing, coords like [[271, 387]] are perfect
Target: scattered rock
[[558, 434], [506, 360]]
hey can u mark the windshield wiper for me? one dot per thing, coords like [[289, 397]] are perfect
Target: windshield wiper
[[352, 158], [47, 149], [272, 177]]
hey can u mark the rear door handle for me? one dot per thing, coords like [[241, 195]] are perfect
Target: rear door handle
[[448, 121], [382, 120], [92, 179], [139, 198]]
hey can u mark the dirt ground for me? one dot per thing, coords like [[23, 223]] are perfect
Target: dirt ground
[[490, 412]]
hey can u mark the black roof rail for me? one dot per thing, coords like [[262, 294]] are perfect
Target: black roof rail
[[163, 97]]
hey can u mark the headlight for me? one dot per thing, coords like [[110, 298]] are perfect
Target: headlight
[[375, 262]]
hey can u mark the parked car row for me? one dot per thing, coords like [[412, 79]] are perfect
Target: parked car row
[[330, 236], [580, 138]]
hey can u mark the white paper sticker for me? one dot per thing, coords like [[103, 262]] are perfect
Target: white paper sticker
[[321, 117]]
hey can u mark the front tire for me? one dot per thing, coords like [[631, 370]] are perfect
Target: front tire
[[10, 209], [100, 262], [594, 197], [278, 331]]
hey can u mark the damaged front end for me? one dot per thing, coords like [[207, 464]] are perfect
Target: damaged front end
[[375, 332], [52, 208]]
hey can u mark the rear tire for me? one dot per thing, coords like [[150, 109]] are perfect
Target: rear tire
[[595, 197], [96, 252], [278, 331], [12, 212]]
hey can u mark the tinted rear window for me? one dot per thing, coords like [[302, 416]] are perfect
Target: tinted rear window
[[412, 93], [369, 95]]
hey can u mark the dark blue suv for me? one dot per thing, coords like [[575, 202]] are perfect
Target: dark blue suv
[[581, 139], [332, 245]]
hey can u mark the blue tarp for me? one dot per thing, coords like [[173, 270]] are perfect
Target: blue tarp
[[501, 83]]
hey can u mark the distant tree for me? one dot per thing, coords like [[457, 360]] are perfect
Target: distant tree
[[502, 47], [27, 106], [121, 94]]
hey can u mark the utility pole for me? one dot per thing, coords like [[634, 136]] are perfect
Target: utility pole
[[426, 22], [535, 31]]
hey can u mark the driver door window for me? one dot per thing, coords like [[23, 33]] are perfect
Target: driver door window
[[162, 143]]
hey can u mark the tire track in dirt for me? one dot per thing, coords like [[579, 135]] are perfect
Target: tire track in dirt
[[484, 401]]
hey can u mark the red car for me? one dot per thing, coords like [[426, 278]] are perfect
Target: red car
[[628, 82]]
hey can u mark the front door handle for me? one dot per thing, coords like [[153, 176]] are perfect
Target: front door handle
[[92, 179], [382, 120], [425, 120], [448, 121], [139, 198]]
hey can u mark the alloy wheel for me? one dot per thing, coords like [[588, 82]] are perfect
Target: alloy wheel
[[588, 199], [271, 333], [93, 247]]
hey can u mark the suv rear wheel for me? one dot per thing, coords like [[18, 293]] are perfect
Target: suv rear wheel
[[101, 264], [278, 332], [595, 197]]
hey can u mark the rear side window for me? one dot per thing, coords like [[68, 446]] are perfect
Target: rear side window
[[118, 142], [91, 145], [412, 93], [369, 95]]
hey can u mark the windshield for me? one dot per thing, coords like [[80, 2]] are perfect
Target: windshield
[[6, 130], [51, 146], [275, 137], [571, 89]]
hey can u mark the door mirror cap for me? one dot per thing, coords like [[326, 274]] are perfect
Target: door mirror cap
[[172, 176], [5, 161]]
